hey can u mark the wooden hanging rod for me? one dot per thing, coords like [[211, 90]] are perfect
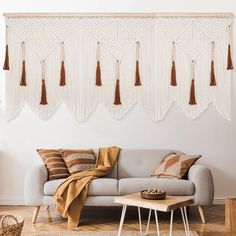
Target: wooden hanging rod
[[161, 14]]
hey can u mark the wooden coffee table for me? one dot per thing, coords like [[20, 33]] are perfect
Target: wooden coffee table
[[169, 204]]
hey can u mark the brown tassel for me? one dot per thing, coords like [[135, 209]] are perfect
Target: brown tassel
[[229, 61], [173, 74], [43, 94], [117, 93], [63, 75], [173, 69], [6, 62], [192, 100], [213, 78], [98, 81], [98, 74], [137, 75], [23, 75]]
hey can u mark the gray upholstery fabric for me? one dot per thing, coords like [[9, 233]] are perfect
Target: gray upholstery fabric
[[171, 186], [90, 201], [97, 187], [204, 188], [100, 201], [139, 163], [51, 186], [33, 185]]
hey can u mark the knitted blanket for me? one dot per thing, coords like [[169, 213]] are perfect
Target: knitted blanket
[[71, 194]]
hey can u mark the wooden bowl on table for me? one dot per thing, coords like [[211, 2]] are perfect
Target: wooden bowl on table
[[153, 194]]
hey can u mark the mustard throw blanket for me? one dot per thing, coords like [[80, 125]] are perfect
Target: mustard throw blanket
[[71, 194]]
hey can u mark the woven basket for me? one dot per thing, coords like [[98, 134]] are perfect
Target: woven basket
[[11, 225]]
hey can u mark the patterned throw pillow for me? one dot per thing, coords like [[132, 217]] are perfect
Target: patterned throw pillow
[[78, 160], [54, 162], [175, 165]]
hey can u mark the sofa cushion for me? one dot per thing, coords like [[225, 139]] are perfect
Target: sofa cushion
[[97, 187], [171, 186], [139, 163]]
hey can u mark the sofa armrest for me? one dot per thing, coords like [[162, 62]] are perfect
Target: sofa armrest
[[34, 184], [204, 187]]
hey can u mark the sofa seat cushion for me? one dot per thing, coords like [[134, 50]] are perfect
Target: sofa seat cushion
[[97, 187], [171, 186]]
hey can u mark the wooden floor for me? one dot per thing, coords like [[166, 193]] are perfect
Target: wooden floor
[[107, 219]]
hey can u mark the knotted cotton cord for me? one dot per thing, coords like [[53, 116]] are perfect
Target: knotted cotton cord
[[23, 75]]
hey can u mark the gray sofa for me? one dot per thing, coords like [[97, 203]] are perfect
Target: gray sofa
[[130, 174]]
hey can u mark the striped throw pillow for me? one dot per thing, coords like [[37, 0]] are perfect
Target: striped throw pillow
[[78, 160], [175, 165], [54, 162]]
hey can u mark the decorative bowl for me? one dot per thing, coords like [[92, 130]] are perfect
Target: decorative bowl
[[153, 194]]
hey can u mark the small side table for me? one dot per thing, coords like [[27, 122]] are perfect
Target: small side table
[[169, 204], [230, 214]]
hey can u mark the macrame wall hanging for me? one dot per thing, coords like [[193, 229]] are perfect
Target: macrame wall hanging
[[118, 60]]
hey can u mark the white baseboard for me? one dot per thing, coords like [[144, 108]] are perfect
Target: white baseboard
[[12, 202], [216, 201], [219, 201]]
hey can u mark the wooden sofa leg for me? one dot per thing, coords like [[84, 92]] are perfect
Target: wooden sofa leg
[[201, 213], [35, 214]]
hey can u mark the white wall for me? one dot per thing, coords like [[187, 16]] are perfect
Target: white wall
[[209, 135]]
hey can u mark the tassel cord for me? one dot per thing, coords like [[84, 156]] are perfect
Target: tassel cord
[[98, 81], [229, 57], [43, 91], [6, 65], [192, 100], [23, 74], [137, 72], [173, 67], [212, 73], [63, 72], [117, 100]]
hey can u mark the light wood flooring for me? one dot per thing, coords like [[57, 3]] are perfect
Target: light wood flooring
[[107, 219]]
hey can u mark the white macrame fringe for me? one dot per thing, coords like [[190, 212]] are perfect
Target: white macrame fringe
[[118, 38]]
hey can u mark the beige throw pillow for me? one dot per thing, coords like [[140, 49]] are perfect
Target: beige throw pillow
[[175, 165], [78, 160]]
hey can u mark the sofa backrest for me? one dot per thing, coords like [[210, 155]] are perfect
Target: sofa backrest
[[139, 162]]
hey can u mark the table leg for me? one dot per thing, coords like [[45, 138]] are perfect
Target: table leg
[[157, 223], [184, 221], [171, 221], [140, 221], [122, 219], [148, 223]]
